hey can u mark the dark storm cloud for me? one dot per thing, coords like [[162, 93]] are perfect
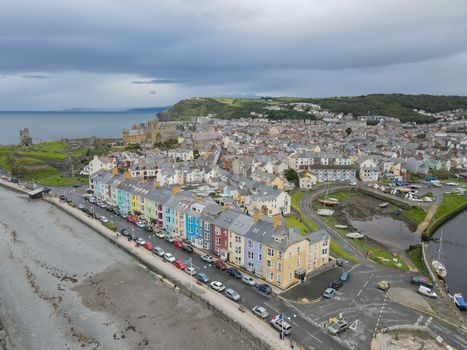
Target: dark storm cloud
[[300, 47]]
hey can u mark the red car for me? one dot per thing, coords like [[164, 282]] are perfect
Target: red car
[[178, 244], [180, 265], [132, 219], [219, 264], [148, 246]]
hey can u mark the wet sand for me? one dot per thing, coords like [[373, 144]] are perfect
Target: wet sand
[[62, 286]]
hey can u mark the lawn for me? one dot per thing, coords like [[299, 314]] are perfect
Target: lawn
[[338, 250], [415, 255], [416, 214], [451, 202], [293, 221], [380, 255], [296, 198], [57, 180], [40, 154]]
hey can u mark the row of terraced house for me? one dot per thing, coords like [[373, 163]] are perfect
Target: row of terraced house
[[261, 245]]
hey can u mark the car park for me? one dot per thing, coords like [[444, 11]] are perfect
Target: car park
[[202, 277], [216, 285], [207, 258], [248, 280], [180, 265], [337, 284], [281, 325], [187, 248], [344, 277], [232, 294], [158, 251], [140, 241], [260, 311], [233, 272], [421, 281], [338, 327], [264, 288], [190, 270], [219, 264], [178, 243], [169, 257], [329, 293], [427, 292], [148, 246], [103, 219]]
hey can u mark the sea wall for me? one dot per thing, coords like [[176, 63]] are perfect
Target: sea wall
[[439, 222]]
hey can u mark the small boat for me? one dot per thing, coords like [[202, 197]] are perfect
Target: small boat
[[384, 205], [439, 269], [329, 202], [325, 212], [355, 235], [340, 226]]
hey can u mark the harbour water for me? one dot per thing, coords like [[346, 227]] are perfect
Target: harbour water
[[453, 251], [46, 126]]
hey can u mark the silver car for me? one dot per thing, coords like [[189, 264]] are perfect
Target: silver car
[[231, 294], [260, 311], [248, 280], [158, 251]]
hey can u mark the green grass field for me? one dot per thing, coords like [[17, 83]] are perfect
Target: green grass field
[[380, 255], [416, 214], [416, 256], [293, 221], [296, 198], [451, 202]]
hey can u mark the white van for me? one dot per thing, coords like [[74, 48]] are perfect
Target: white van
[[427, 292], [281, 325]]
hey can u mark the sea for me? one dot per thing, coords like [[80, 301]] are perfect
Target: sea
[[50, 126]]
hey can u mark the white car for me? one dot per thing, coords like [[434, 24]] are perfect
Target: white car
[[169, 257], [92, 199], [427, 292], [216, 285], [191, 271], [140, 241], [158, 251], [170, 238], [103, 219], [260, 311], [160, 234], [207, 258], [248, 280], [140, 224]]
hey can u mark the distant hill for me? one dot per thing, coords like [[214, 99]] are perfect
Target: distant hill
[[391, 105]]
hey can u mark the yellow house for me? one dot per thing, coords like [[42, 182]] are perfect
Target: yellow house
[[135, 203], [277, 183], [235, 248]]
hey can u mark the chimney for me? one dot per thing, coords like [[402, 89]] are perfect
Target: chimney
[[277, 221], [257, 216], [114, 171], [156, 184], [175, 189], [127, 175]]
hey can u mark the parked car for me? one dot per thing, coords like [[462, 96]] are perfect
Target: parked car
[[169, 257], [140, 241], [187, 248], [170, 238], [421, 281], [202, 277], [248, 280], [148, 228], [231, 294], [427, 292], [219, 264], [329, 293], [281, 325], [338, 327], [191, 270], [178, 243], [384, 285], [92, 199], [207, 258], [158, 251], [264, 288], [103, 219], [125, 232], [216, 285], [260, 311], [160, 234], [141, 224], [344, 277], [339, 262], [81, 207], [233, 272], [148, 246], [337, 284], [180, 264]]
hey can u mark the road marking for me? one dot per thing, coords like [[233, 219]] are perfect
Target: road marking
[[354, 267], [358, 294], [311, 335], [419, 319], [296, 324], [272, 308], [428, 321], [364, 285]]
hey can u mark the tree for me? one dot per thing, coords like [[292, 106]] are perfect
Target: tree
[[291, 175], [196, 154], [348, 131]]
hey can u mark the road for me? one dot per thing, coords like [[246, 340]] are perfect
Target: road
[[305, 332]]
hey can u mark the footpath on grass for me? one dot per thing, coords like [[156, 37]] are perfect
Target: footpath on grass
[[239, 316]]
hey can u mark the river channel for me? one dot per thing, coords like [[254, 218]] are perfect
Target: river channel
[[453, 251]]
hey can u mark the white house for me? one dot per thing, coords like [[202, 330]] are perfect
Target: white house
[[99, 163]]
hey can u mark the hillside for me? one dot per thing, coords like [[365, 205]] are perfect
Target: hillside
[[392, 105]]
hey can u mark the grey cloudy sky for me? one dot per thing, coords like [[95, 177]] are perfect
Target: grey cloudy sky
[[125, 53]]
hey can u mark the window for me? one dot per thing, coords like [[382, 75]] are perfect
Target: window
[[260, 257], [190, 229], [279, 266], [190, 219], [218, 240], [280, 254], [218, 231], [238, 260], [270, 276], [250, 243], [290, 276], [251, 255], [238, 239], [260, 246], [298, 250], [269, 263], [325, 251], [270, 252], [298, 261]]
